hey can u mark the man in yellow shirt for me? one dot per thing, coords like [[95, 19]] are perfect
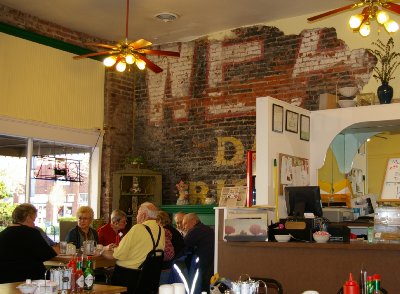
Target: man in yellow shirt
[[134, 247]]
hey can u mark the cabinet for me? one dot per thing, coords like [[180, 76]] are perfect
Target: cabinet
[[132, 187]]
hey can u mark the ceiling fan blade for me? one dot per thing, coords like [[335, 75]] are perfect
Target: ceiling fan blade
[[159, 52], [140, 44], [150, 64], [392, 7], [94, 54], [340, 9], [102, 45]]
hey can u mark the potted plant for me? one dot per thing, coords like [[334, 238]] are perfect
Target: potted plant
[[388, 60], [134, 161]]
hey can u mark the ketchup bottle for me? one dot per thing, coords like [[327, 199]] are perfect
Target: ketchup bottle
[[351, 286]]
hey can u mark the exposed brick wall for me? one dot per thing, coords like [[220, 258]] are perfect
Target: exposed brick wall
[[196, 119]]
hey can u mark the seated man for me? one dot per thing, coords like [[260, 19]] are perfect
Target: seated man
[[113, 232], [178, 221], [134, 247], [199, 239]]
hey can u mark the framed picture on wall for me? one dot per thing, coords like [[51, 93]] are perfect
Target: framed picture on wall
[[277, 118], [292, 121], [304, 127]]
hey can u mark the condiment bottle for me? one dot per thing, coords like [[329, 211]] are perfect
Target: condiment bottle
[[88, 275], [370, 285], [376, 280], [79, 278], [351, 286]]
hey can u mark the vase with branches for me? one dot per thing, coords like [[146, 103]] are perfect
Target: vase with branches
[[387, 63]]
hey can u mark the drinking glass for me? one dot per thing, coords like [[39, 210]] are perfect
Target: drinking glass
[[63, 247]]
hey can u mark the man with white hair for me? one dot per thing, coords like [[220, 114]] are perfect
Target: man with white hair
[[134, 247], [113, 232], [199, 238], [178, 221]]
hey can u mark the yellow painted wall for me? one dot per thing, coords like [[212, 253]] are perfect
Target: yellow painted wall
[[329, 174], [44, 84], [354, 40], [379, 151]]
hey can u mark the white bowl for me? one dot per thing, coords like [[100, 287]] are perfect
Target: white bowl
[[282, 238], [27, 288], [348, 91], [45, 287], [321, 238], [346, 103]]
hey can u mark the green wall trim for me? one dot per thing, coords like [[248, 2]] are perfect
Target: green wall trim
[[44, 40], [199, 209], [204, 212]]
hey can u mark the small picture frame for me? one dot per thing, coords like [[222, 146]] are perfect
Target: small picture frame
[[365, 99], [233, 196], [277, 118], [304, 127], [292, 121]]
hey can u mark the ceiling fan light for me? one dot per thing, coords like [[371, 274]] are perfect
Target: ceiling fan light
[[391, 26], [355, 21], [109, 61], [365, 29], [121, 66], [141, 64], [130, 59], [382, 17]]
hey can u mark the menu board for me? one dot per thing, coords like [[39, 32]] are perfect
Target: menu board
[[391, 183]]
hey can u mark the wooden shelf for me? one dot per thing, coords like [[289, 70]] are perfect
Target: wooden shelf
[[148, 183]]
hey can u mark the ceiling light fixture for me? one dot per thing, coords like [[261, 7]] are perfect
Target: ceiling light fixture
[[372, 10], [361, 22], [125, 53]]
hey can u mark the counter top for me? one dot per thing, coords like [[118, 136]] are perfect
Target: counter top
[[330, 245]]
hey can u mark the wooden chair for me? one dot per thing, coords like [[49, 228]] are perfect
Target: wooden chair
[[149, 279], [65, 227]]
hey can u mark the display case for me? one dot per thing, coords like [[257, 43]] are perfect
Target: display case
[[131, 187]]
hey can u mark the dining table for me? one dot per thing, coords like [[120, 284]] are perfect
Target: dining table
[[99, 261], [11, 288]]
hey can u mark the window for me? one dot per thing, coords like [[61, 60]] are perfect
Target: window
[[83, 198], [58, 173], [70, 198]]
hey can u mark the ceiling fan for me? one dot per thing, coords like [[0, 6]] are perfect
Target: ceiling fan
[[128, 52], [371, 10]]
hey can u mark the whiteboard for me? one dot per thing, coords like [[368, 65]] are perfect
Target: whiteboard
[[391, 183]]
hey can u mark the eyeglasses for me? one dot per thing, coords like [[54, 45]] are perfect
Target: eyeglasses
[[81, 218]]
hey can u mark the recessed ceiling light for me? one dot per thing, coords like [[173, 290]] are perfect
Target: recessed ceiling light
[[166, 16]]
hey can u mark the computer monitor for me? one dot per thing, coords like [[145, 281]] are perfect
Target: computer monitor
[[301, 199]]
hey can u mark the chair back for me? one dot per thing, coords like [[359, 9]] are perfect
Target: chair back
[[65, 227], [149, 278], [271, 284]]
